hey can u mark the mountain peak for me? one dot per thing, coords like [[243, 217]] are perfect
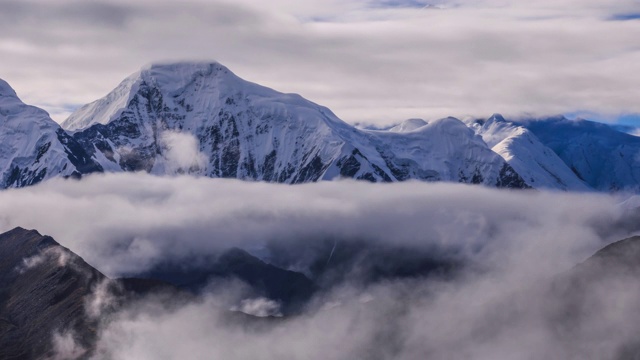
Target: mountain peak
[[176, 76], [6, 89], [184, 67], [202, 81], [497, 117], [33, 147], [232, 128], [21, 231]]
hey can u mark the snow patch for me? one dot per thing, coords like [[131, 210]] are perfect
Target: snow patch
[[6, 89], [260, 307]]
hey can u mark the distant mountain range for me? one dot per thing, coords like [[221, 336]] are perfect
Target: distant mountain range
[[201, 119]]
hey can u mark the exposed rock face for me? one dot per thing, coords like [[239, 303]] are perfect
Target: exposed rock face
[[43, 289], [48, 292], [600, 297]]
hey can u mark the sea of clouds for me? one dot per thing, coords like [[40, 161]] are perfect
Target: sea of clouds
[[124, 224]]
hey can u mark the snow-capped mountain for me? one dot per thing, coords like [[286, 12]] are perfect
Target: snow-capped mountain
[[204, 120], [604, 158], [201, 119], [538, 165], [33, 147]]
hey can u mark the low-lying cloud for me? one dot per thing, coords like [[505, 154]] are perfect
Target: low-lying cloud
[[65, 347], [491, 316], [524, 240], [126, 223], [55, 254]]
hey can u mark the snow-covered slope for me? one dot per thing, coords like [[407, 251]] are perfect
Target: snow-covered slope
[[444, 149], [200, 118], [33, 147], [100, 112], [606, 159], [408, 125], [538, 165]]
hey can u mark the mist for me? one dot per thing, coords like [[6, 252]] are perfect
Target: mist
[[493, 316], [123, 223], [513, 304]]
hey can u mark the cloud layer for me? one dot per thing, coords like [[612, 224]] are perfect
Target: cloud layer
[[125, 223], [490, 318], [375, 62], [128, 222]]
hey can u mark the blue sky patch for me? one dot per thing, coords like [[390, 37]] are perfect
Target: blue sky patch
[[401, 3], [632, 120], [625, 17]]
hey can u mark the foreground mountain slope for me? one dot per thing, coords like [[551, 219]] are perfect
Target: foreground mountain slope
[[204, 120], [600, 297], [43, 289], [33, 147], [47, 292]]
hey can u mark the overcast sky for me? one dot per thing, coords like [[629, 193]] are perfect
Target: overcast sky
[[372, 62]]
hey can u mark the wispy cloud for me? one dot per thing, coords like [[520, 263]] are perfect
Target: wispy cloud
[[126, 223], [417, 4], [625, 17]]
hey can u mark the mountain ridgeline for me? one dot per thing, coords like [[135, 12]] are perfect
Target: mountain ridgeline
[[201, 119]]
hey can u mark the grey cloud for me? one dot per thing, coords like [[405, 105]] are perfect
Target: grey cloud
[[50, 16], [490, 316], [370, 65], [65, 347], [124, 223]]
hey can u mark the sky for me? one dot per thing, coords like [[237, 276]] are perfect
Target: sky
[[373, 62]]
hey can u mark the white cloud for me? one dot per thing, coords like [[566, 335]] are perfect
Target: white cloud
[[367, 63], [65, 347], [181, 154], [124, 223], [489, 316], [101, 299], [53, 254], [260, 307]]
